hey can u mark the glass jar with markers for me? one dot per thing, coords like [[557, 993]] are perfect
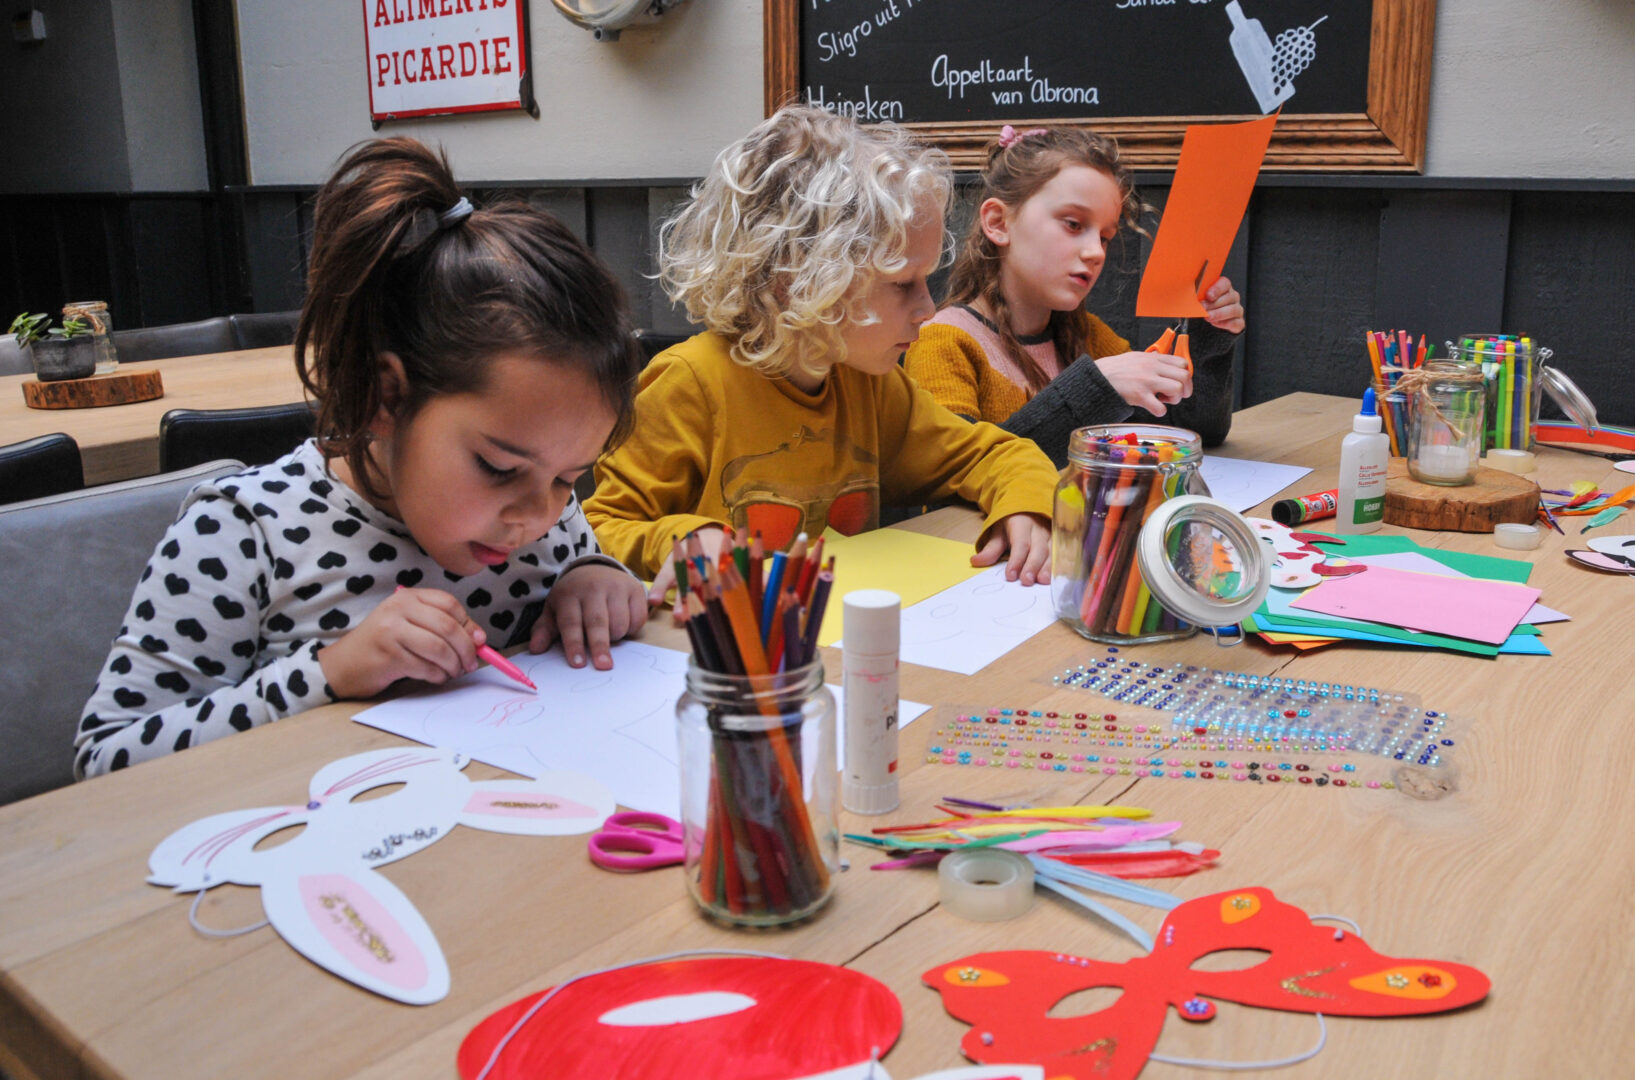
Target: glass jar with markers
[[1139, 551]]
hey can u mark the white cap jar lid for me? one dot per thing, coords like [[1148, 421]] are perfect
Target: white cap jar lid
[[1203, 561]]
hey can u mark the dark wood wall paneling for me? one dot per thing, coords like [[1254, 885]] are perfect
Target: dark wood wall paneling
[[1318, 260]]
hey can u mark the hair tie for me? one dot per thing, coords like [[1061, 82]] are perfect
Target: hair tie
[[1009, 136], [454, 214]]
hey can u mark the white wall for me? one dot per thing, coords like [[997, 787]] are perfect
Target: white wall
[[1518, 89], [657, 103], [61, 125], [109, 102], [159, 80], [1522, 88]]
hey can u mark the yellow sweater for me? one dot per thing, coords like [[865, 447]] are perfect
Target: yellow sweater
[[952, 364], [718, 443]]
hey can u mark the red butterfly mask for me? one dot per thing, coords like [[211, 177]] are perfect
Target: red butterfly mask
[[1311, 969]]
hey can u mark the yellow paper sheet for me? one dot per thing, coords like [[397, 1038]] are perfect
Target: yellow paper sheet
[[912, 565]]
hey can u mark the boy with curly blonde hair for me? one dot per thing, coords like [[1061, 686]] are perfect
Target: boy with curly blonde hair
[[804, 253]]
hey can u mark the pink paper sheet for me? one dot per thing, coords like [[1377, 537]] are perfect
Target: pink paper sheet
[[1471, 608]]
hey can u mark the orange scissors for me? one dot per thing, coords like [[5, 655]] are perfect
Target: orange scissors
[[1174, 344]]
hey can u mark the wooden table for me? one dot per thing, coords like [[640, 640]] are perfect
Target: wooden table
[[1526, 871], [117, 442]]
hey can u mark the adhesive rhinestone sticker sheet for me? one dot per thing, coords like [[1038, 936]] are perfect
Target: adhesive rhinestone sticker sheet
[[1113, 745], [1388, 723]]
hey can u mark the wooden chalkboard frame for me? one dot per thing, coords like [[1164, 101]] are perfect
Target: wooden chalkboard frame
[[1388, 137]]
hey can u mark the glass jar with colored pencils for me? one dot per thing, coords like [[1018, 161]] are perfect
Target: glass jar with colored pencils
[[758, 785], [1116, 477]]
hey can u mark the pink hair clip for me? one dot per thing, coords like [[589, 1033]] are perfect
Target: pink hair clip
[[1009, 136]]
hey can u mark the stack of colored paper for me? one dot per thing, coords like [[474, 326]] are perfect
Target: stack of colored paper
[[1411, 595]]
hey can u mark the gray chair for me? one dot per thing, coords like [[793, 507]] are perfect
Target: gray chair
[[14, 361], [38, 467], [255, 436], [177, 339], [67, 568], [265, 329]]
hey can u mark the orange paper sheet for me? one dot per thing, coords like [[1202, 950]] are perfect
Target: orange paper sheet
[[1213, 181]]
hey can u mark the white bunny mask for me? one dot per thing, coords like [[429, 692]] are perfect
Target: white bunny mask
[[320, 889]]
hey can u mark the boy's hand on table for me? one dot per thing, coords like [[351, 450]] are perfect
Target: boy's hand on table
[[419, 634], [1027, 538], [1223, 307], [589, 608], [711, 537]]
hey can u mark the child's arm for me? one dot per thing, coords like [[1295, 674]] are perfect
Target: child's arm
[[1080, 396], [927, 453], [183, 669], [648, 489]]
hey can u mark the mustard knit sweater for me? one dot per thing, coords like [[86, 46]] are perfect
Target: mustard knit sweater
[[959, 360]]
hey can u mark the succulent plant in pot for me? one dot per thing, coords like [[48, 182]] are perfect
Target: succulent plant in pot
[[63, 352]]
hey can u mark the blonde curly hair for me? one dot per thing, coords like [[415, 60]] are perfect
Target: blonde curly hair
[[781, 240]]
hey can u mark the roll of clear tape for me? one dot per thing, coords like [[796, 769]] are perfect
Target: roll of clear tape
[[1512, 461], [1517, 537], [986, 885]]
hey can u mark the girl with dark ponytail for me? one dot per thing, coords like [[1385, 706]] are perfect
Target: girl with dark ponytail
[[468, 365], [1014, 345]]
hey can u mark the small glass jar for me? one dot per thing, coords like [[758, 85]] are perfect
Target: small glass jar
[[94, 313], [1516, 379], [1445, 428], [1110, 487], [758, 784]]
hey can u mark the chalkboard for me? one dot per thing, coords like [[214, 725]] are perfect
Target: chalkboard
[[1351, 76]]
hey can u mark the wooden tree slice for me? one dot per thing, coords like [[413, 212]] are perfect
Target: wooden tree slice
[[1495, 496], [116, 388]]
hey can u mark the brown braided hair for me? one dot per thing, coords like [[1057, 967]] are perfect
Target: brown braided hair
[[1013, 175]]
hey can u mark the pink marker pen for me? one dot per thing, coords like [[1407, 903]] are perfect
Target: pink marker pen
[[491, 655]]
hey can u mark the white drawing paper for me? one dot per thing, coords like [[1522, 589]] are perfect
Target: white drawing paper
[[968, 626], [617, 726], [321, 889], [907, 713], [1242, 484]]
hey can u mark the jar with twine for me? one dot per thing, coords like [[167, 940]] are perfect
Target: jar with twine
[[1447, 407]]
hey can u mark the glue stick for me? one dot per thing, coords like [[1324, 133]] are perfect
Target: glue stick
[[871, 631]]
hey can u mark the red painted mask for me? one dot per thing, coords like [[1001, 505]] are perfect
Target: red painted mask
[[1313, 968]]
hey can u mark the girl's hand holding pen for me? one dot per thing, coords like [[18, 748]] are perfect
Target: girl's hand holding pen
[[419, 634], [589, 608]]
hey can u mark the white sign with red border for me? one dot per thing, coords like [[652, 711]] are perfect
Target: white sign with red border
[[436, 57]]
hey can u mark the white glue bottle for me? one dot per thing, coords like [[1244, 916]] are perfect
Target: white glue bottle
[[871, 632], [1363, 458]]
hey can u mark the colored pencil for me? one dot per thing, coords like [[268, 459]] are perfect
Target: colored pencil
[[815, 611], [757, 555], [774, 582]]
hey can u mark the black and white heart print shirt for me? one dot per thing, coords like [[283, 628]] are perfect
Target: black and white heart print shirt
[[261, 570]]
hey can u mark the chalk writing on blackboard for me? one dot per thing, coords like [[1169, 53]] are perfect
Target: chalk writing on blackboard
[[961, 60], [1270, 68]]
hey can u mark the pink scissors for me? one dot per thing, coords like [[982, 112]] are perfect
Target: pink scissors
[[635, 840]]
